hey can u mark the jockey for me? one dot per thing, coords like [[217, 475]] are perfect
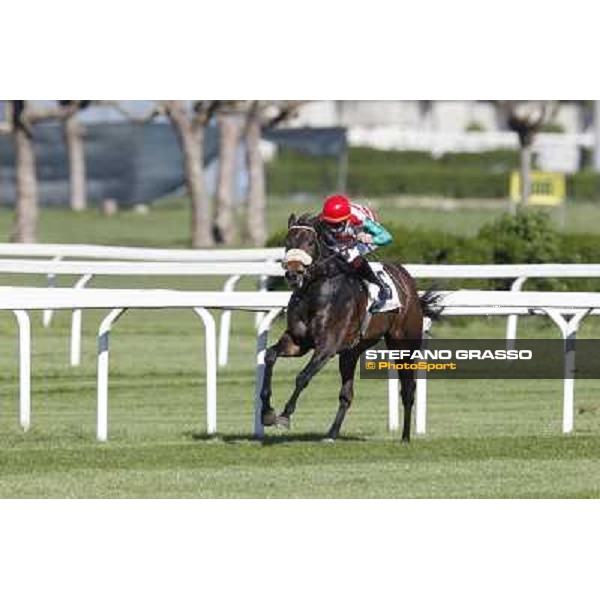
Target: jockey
[[353, 231]]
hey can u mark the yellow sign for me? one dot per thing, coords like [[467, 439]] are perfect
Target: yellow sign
[[547, 189]]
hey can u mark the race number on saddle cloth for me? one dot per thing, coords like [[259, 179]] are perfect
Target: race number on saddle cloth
[[353, 231], [393, 302]]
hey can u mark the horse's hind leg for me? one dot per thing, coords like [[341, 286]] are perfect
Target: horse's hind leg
[[347, 367], [407, 392], [407, 383], [285, 346]]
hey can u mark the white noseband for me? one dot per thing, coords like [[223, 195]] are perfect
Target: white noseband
[[299, 255]]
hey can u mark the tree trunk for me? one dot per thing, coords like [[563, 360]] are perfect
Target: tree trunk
[[525, 174], [255, 219], [597, 136], [193, 150], [191, 140], [26, 213], [76, 154], [228, 142]]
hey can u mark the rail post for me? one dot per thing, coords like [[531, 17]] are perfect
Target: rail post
[[512, 320], [225, 324], [261, 346], [568, 329], [76, 325], [24, 368], [210, 344], [102, 401], [393, 399], [263, 280], [421, 387], [47, 314]]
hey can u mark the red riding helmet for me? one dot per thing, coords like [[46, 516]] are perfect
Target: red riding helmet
[[336, 209]]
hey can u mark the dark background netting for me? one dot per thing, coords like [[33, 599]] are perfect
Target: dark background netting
[[324, 141], [134, 163]]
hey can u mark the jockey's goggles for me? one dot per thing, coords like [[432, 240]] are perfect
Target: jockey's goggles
[[337, 226]]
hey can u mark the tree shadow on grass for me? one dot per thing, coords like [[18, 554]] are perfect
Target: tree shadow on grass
[[268, 440]]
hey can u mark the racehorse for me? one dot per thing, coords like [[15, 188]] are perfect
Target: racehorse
[[326, 314]]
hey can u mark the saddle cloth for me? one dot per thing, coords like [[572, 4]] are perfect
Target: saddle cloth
[[394, 302]]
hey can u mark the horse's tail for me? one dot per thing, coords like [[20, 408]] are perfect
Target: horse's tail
[[430, 304], [429, 300]]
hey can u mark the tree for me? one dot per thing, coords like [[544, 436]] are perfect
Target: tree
[[268, 113], [596, 122], [73, 131], [526, 118], [189, 120], [229, 118], [23, 115], [25, 222], [255, 216], [189, 127]]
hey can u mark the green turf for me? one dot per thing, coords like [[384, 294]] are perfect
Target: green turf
[[167, 222], [485, 438]]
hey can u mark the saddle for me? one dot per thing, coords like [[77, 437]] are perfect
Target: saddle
[[394, 302]]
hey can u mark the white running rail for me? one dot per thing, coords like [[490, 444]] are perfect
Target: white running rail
[[566, 309], [518, 274], [132, 253]]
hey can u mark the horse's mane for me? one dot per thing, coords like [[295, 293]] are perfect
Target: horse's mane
[[310, 220], [307, 219]]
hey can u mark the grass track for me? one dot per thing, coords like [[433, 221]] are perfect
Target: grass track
[[485, 439], [496, 440]]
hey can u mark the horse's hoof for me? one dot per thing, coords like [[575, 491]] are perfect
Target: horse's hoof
[[405, 440], [282, 422], [269, 418], [328, 440]]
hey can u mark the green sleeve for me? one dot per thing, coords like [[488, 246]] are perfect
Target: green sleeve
[[381, 236]]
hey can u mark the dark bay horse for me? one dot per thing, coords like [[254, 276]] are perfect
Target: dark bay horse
[[325, 314]]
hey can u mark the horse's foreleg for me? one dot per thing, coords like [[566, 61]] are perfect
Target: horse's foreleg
[[347, 366], [285, 346], [408, 399], [315, 364]]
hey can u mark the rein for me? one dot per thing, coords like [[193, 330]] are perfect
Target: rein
[[319, 243], [319, 261]]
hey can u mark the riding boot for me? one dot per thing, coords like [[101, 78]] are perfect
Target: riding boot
[[363, 269]]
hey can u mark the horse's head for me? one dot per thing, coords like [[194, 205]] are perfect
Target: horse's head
[[302, 248]]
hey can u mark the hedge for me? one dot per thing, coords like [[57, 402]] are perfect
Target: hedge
[[421, 181], [529, 237], [387, 173]]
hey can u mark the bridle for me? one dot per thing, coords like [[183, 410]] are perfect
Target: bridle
[[318, 261], [317, 240]]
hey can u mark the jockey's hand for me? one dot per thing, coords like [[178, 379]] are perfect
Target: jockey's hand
[[364, 237]]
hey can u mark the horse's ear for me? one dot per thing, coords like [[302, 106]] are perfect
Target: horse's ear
[[291, 220]]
